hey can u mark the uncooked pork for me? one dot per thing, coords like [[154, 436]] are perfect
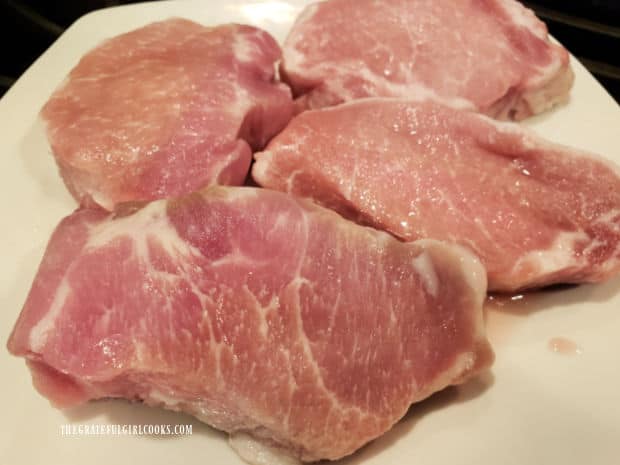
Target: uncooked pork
[[165, 110], [490, 55], [536, 213], [267, 317]]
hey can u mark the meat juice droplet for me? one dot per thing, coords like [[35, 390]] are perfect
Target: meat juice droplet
[[564, 346]]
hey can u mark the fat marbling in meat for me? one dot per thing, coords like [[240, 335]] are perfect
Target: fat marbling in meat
[[266, 316], [536, 213], [494, 56], [164, 110]]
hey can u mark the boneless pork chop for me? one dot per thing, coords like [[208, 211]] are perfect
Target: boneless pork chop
[[491, 55], [165, 110], [267, 317], [536, 213]]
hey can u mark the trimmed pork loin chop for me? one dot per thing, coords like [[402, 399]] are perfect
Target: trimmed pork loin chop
[[536, 213], [165, 110], [296, 331], [493, 56]]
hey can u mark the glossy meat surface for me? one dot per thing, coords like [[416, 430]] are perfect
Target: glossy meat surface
[[490, 55], [536, 213], [265, 316], [164, 110]]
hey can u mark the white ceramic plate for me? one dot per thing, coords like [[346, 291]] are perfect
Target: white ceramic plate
[[537, 406]]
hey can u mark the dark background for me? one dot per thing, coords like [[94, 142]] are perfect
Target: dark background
[[590, 29]]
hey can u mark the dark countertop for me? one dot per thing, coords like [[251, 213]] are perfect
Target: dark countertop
[[590, 29]]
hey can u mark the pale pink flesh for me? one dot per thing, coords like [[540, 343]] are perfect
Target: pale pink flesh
[[491, 55], [534, 212], [165, 110], [256, 312]]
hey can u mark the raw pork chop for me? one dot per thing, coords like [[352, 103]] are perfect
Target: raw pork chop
[[265, 316], [491, 55], [165, 110], [535, 213]]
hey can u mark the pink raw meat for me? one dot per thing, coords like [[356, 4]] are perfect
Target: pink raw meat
[[165, 110], [490, 55], [263, 315], [536, 213]]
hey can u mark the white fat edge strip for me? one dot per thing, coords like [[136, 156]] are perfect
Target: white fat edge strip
[[100, 198], [557, 257], [523, 17], [291, 56], [546, 74], [40, 332], [426, 270], [475, 274], [256, 452], [472, 269], [267, 11], [159, 397], [260, 166], [244, 49]]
